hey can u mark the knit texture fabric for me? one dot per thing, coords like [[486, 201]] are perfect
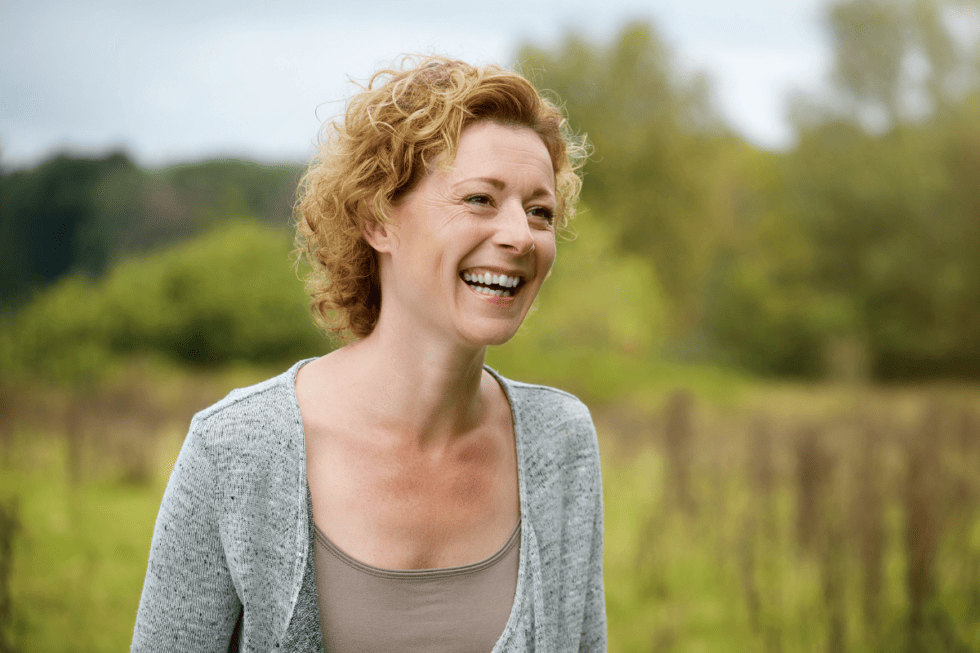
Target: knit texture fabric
[[231, 561]]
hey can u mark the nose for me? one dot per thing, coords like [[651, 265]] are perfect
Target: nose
[[513, 230]]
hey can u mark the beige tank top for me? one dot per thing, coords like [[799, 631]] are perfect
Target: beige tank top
[[457, 609]]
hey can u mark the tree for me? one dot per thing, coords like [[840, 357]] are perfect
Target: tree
[[898, 61], [50, 224], [655, 137], [82, 215], [886, 186]]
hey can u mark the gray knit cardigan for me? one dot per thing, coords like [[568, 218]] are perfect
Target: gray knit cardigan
[[231, 562]]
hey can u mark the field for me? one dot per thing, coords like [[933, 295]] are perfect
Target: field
[[752, 517]]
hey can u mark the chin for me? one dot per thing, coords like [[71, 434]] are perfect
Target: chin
[[502, 340], [491, 335]]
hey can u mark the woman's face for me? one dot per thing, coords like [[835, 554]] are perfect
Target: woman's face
[[467, 250]]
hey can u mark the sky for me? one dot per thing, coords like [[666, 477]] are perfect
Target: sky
[[188, 80]]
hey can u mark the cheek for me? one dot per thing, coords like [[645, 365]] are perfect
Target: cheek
[[547, 252]]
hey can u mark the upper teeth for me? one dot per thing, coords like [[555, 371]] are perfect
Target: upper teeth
[[495, 279]]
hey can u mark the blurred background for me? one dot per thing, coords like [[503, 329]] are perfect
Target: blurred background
[[770, 299]]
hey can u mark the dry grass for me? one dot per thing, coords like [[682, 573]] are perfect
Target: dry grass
[[9, 525], [844, 520], [800, 519], [113, 430]]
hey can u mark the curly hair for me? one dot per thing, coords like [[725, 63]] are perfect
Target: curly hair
[[379, 149]]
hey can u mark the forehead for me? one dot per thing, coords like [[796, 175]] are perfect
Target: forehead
[[490, 144]]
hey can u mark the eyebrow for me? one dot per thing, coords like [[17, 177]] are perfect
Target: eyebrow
[[500, 185]]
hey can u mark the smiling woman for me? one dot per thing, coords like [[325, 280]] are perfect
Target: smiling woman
[[398, 480]]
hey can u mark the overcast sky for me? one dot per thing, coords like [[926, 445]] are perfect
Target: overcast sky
[[186, 80]]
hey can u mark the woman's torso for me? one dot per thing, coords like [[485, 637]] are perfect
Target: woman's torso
[[388, 506]]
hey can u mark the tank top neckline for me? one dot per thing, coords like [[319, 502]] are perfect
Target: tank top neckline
[[419, 574]]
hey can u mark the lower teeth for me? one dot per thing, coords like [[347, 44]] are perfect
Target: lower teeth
[[483, 290]]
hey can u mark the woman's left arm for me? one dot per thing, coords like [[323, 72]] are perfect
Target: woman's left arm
[[594, 619], [189, 601]]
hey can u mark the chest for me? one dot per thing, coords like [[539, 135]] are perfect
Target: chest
[[397, 508]]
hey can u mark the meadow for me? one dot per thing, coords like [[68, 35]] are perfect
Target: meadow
[[740, 515], [761, 337]]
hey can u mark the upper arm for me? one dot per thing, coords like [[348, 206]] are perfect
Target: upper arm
[[594, 617], [189, 602]]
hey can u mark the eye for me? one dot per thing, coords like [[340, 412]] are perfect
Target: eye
[[542, 213], [479, 198]]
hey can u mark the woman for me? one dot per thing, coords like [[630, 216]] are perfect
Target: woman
[[396, 494]]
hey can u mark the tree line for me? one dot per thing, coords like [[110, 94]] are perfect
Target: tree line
[[73, 215]]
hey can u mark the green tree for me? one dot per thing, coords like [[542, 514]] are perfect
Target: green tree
[[886, 185], [860, 238], [655, 136], [897, 61], [72, 215], [50, 224]]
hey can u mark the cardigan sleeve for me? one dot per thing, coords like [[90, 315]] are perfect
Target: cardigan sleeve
[[594, 618], [189, 602]]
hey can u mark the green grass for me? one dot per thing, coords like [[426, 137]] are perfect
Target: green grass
[[727, 576], [80, 553]]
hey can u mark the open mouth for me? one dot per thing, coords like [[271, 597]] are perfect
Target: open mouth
[[496, 285]]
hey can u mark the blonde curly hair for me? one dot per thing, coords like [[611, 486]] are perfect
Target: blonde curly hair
[[375, 153]]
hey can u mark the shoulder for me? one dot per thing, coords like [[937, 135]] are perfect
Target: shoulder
[[543, 407], [251, 421], [553, 428], [547, 402]]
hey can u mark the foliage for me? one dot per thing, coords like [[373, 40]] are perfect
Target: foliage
[[211, 191], [895, 220], [853, 253], [898, 61], [50, 225], [886, 186], [654, 136], [228, 295], [75, 215], [850, 252], [863, 237]]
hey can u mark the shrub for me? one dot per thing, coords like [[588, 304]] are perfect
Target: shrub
[[228, 295]]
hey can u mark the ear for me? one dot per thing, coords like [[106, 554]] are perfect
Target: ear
[[379, 236]]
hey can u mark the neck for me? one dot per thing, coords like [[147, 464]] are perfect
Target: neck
[[420, 389]]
